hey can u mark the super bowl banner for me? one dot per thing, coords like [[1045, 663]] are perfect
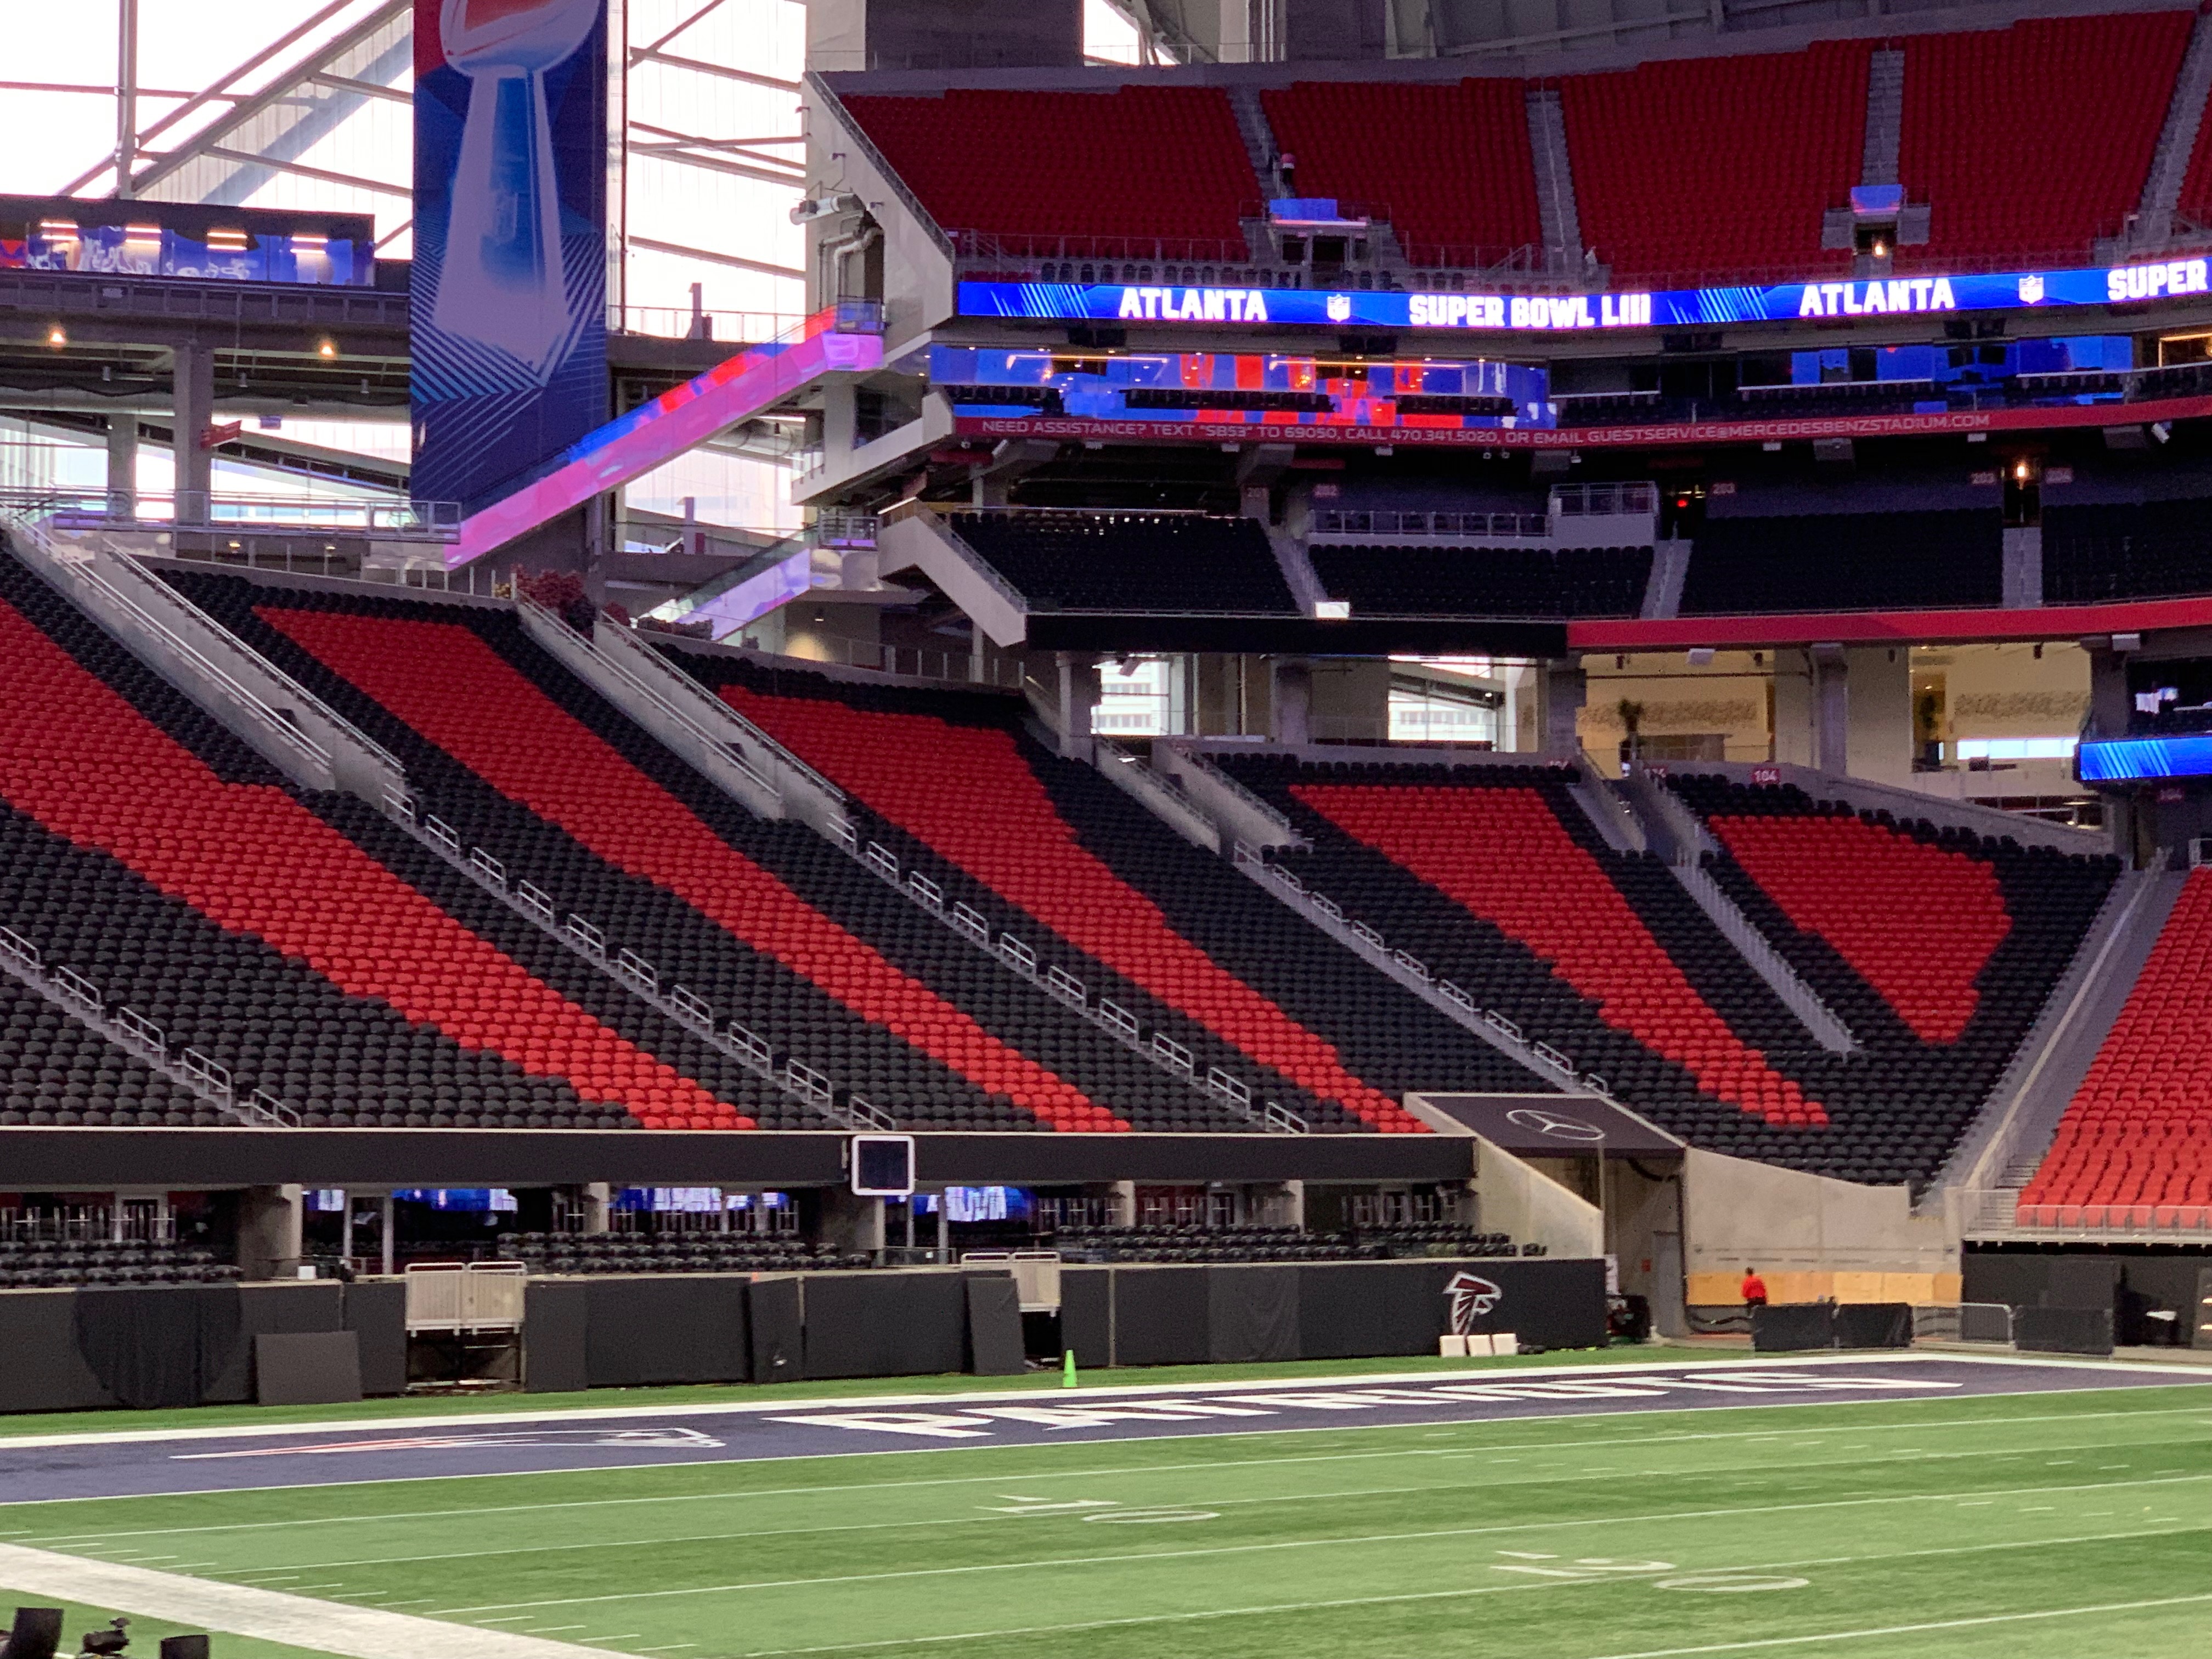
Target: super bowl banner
[[508, 313], [1546, 313]]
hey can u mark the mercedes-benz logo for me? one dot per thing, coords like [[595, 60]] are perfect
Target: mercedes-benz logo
[[1554, 1124]]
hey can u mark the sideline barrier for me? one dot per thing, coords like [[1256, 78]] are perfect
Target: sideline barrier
[[2062, 1330], [84, 1348], [81, 1348], [1811, 1327]]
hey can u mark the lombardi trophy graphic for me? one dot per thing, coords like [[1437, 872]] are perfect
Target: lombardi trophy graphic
[[503, 281]]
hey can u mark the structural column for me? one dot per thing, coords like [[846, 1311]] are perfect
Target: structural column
[[193, 402], [1293, 700], [1831, 707], [1566, 688], [1079, 700], [122, 465]]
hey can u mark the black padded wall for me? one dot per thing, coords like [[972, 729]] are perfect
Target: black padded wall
[[677, 1328], [1161, 1316], [555, 1317], [278, 1308], [1086, 1315], [1252, 1313], [158, 1345], [42, 1371], [779, 1330], [377, 1314], [886, 1324], [994, 1326]]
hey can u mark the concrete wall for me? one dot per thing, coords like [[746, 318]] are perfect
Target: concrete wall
[[1880, 723], [1513, 1196], [1350, 700], [1821, 1235]]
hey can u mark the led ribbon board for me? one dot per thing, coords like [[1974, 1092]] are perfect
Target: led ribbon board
[[1553, 313], [2122, 760]]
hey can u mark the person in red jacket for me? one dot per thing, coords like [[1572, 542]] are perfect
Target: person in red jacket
[[1754, 1289]]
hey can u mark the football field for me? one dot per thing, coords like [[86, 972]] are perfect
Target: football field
[[2027, 1511]]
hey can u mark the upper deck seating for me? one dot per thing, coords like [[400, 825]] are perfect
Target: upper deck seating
[[2035, 139], [1073, 173], [1670, 179], [1506, 582], [1449, 165], [2150, 550]]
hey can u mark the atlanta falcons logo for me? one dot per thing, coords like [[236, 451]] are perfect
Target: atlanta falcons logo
[[1471, 1296]]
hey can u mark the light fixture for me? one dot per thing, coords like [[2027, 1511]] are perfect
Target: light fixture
[[326, 349], [55, 337], [2019, 470]]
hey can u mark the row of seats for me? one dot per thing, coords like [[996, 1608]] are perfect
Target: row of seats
[[1071, 174], [150, 851], [1493, 876], [1132, 560], [1665, 182], [770, 924], [1504, 581], [1846, 562], [55, 1069], [2138, 1132], [2149, 550], [1116, 898], [1937, 947], [41, 1263], [1665, 185], [663, 1253], [2087, 94], [1450, 164]]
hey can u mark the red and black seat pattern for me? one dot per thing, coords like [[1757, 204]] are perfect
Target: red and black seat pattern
[[157, 855], [1169, 932], [2135, 1148], [767, 920]]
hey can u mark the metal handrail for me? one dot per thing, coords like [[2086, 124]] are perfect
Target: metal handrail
[[77, 570], [637, 976]]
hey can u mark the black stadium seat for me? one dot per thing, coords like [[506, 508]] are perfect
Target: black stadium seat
[[1504, 581], [1132, 561]]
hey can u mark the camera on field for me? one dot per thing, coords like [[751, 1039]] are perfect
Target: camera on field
[[37, 1634]]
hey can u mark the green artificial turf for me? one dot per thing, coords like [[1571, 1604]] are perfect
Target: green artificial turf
[[1752, 1529], [733, 1393]]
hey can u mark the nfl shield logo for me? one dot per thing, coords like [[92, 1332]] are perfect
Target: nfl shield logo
[[1340, 307], [2031, 290]]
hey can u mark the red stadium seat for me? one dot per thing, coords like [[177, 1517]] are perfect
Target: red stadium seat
[[2089, 93], [1665, 182], [446, 683]]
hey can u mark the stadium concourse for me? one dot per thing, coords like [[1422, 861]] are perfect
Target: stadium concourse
[[1380, 834]]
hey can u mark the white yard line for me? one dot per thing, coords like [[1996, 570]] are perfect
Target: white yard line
[[1473, 1591], [1002, 1517], [1247, 1385], [1913, 1630], [817, 1491], [1277, 1545], [332, 1627]]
